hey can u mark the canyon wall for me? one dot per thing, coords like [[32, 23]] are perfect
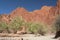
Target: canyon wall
[[46, 14]]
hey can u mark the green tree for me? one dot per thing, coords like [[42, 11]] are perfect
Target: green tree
[[16, 24], [36, 28], [3, 26]]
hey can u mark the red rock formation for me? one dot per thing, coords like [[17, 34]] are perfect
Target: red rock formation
[[46, 14], [4, 17], [58, 6]]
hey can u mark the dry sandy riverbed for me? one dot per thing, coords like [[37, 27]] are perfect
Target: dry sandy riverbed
[[29, 37]]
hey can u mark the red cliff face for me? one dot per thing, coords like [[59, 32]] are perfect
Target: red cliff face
[[46, 14], [58, 6], [4, 17], [18, 12]]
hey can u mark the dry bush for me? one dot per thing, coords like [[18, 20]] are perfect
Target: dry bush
[[37, 28]]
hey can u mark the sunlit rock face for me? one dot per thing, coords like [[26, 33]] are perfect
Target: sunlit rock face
[[58, 6], [46, 14]]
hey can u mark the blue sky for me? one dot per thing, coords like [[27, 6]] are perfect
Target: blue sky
[[6, 6]]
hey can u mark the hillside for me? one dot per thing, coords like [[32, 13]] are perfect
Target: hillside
[[46, 14]]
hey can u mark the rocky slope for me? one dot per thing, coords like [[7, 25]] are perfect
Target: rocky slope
[[46, 14]]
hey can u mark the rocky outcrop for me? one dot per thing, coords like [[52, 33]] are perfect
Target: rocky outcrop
[[46, 14], [58, 6]]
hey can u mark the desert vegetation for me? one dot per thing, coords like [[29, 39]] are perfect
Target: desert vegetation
[[31, 27], [13, 26], [39, 28]]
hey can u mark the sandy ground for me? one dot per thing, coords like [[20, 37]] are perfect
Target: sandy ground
[[29, 37], [34, 37]]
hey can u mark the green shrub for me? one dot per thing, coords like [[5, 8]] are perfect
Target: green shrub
[[36, 28], [16, 24], [3, 26]]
